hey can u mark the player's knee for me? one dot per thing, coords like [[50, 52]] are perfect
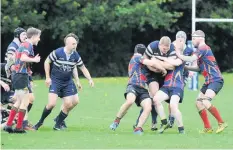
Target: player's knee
[[129, 102], [31, 98], [147, 108], [51, 105], [75, 101], [68, 104], [174, 107], [156, 101]]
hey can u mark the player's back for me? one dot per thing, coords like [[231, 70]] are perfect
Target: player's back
[[137, 71], [208, 64], [12, 47], [175, 78], [63, 64]]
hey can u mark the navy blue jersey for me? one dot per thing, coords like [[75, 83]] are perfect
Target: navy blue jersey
[[187, 52], [12, 47], [63, 64], [137, 71], [153, 50]]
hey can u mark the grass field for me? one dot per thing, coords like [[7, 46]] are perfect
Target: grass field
[[88, 124]]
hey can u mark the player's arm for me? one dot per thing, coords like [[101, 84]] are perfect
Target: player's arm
[[86, 74], [172, 61], [51, 58], [47, 67], [76, 77], [154, 64], [188, 58], [5, 86], [192, 68], [167, 65], [26, 58]]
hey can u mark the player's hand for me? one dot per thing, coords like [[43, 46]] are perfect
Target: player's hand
[[48, 82], [6, 87], [164, 72], [37, 58], [79, 85], [91, 82]]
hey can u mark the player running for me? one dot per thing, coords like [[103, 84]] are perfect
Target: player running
[[65, 61], [136, 89], [213, 81], [20, 80]]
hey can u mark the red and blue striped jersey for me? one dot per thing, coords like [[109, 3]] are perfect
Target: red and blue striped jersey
[[175, 78], [20, 66], [137, 71], [208, 65]]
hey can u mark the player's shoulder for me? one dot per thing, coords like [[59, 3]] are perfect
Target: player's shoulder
[[137, 57], [59, 50], [204, 47], [154, 44], [188, 51], [26, 45]]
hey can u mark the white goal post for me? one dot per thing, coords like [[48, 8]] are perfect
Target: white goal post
[[194, 19]]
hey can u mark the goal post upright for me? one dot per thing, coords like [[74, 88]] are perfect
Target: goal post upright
[[195, 20]]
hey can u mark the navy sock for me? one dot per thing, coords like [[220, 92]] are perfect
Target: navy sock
[[154, 115], [61, 117]]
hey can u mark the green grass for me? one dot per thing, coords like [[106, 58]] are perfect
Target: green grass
[[89, 122]]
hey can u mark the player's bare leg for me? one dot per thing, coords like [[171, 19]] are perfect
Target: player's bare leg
[[158, 99], [153, 88], [130, 99], [209, 95], [174, 105], [24, 97], [47, 110], [69, 103], [146, 105], [203, 114]]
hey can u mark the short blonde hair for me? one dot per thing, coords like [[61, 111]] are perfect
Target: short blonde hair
[[71, 35], [33, 31], [165, 40]]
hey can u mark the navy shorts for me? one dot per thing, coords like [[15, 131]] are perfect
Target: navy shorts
[[215, 86], [20, 81], [173, 91], [140, 93], [155, 77], [63, 90]]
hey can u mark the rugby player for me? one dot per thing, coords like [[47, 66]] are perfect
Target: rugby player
[[213, 81], [20, 80], [164, 48], [64, 65], [136, 89]]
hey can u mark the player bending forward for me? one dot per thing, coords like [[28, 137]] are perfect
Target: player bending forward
[[136, 89]]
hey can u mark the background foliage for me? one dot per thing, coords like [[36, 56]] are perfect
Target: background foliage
[[109, 30]]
